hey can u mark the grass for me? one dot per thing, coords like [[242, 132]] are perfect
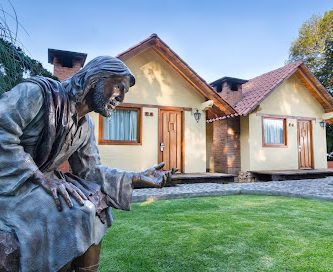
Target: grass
[[234, 233]]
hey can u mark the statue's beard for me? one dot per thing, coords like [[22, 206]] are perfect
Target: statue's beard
[[100, 104]]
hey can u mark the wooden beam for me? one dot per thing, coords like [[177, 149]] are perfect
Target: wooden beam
[[133, 105], [315, 91], [138, 49], [170, 57], [285, 116], [216, 112], [191, 78]]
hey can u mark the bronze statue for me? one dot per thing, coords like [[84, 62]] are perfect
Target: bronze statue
[[59, 219]]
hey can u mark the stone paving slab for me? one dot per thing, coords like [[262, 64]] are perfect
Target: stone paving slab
[[307, 188]]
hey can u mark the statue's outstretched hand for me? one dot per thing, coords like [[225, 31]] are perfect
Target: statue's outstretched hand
[[152, 177], [56, 187]]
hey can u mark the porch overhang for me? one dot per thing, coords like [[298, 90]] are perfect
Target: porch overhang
[[328, 117]]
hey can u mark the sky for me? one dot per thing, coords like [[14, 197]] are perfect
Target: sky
[[236, 38]]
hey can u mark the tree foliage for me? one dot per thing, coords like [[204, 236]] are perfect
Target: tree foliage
[[14, 63], [325, 75], [314, 47]]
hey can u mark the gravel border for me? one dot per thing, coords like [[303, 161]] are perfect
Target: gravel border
[[321, 189]]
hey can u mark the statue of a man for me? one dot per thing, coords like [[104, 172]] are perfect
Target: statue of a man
[[57, 217]]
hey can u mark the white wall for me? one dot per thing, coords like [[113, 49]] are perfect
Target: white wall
[[289, 99], [158, 84]]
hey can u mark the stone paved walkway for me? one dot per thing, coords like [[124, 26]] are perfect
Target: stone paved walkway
[[308, 188]]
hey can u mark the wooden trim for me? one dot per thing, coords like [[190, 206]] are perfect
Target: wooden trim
[[159, 136], [298, 144], [285, 116], [311, 144], [182, 143], [182, 155], [321, 95], [137, 49], [133, 105], [170, 57], [285, 144], [115, 142], [102, 141], [195, 81], [213, 111]]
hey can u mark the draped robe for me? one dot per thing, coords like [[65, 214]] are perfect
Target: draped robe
[[39, 130]]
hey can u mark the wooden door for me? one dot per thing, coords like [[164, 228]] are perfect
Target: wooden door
[[170, 139], [304, 134]]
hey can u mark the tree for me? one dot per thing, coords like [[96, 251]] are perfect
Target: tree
[[325, 75], [14, 63], [314, 47]]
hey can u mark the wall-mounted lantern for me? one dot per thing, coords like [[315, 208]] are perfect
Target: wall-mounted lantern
[[197, 116], [322, 123], [198, 109]]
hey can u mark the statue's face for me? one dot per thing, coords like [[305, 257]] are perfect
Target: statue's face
[[109, 92]]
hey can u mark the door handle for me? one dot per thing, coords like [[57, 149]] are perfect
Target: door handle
[[162, 145]]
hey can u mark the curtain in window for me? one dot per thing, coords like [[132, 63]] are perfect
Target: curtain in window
[[121, 126], [274, 131]]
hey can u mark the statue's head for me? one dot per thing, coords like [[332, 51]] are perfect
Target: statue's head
[[102, 83]]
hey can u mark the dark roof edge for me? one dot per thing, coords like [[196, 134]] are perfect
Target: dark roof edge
[[75, 55], [232, 79]]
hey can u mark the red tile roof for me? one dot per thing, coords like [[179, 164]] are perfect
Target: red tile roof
[[257, 89]]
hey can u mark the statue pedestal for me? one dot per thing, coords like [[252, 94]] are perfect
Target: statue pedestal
[[9, 252]]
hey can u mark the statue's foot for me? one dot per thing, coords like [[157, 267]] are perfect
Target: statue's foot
[[89, 261], [9, 252]]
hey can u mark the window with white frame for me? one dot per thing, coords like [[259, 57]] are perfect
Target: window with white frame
[[123, 127], [274, 131]]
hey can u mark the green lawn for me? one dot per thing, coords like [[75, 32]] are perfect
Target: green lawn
[[233, 233]]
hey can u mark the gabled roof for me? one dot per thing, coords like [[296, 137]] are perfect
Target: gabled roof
[[257, 89], [221, 107]]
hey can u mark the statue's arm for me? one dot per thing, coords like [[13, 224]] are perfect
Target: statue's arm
[[117, 184], [86, 164], [18, 107]]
